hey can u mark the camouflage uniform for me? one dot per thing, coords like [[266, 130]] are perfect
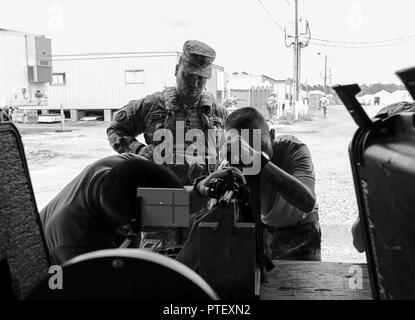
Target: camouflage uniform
[[162, 110]]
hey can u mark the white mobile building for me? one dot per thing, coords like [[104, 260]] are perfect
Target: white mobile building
[[96, 84], [25, 69]]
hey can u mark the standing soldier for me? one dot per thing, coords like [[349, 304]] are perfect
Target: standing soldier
[[186, 104], [324, 105], [178, 109]]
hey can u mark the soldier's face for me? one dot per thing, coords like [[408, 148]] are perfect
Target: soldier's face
[[189, 86]]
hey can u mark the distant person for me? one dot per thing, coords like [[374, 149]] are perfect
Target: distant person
[[96, 209], [388, 111], [324, 104]]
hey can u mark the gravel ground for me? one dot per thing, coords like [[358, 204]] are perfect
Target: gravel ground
[[56, 158]]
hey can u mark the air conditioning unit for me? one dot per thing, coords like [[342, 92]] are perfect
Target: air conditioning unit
[[39, 57], [39, 74]]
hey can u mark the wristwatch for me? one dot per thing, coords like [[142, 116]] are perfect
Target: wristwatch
[[264, 159]]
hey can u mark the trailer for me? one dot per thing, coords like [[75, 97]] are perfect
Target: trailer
[[101, 83]]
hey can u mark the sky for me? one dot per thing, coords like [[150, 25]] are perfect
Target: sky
[[244, 37]]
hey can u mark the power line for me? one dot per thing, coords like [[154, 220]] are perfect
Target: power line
[[409, 37], [346, 44], [270, 15]]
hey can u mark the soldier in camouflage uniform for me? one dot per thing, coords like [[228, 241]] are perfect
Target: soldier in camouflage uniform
[[179, 109]]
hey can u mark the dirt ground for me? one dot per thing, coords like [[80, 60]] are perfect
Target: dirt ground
[[56, 158]]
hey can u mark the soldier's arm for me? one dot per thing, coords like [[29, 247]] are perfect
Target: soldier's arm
[[297, 191], [222, 112], [296, 183], [128, 123]]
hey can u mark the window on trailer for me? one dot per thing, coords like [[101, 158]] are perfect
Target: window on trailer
[[134, 76], [58, 79]]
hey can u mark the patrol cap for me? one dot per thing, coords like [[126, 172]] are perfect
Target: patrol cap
[[197, 58]]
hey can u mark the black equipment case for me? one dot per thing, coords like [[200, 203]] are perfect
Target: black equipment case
[[382, 156]]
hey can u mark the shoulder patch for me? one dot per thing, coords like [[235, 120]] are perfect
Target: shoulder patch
[[122, 115]]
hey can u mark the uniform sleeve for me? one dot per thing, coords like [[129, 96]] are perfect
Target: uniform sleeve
[[222, 113], [128, 123]]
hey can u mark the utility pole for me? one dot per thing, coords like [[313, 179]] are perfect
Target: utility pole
[[296, 56], [325, 74], [297, 44], [330, 76]]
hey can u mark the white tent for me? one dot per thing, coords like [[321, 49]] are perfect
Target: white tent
[[400, 95], [385, 97]]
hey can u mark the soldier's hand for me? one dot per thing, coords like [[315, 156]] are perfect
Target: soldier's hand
[[239, 152], [147, 151], [203, 186]]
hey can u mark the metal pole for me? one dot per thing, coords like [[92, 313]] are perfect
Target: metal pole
[[330, 76], [325, 74], [295, 78], [296, 54], [62, 119], [62, 129], [296, 65]]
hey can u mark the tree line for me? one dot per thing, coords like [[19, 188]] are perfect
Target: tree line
[[366, 88]]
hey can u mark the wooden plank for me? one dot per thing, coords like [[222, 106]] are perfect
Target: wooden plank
[[312, 280]]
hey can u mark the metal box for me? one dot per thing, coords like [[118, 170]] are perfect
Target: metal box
[[39, 59], [382, 155]]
